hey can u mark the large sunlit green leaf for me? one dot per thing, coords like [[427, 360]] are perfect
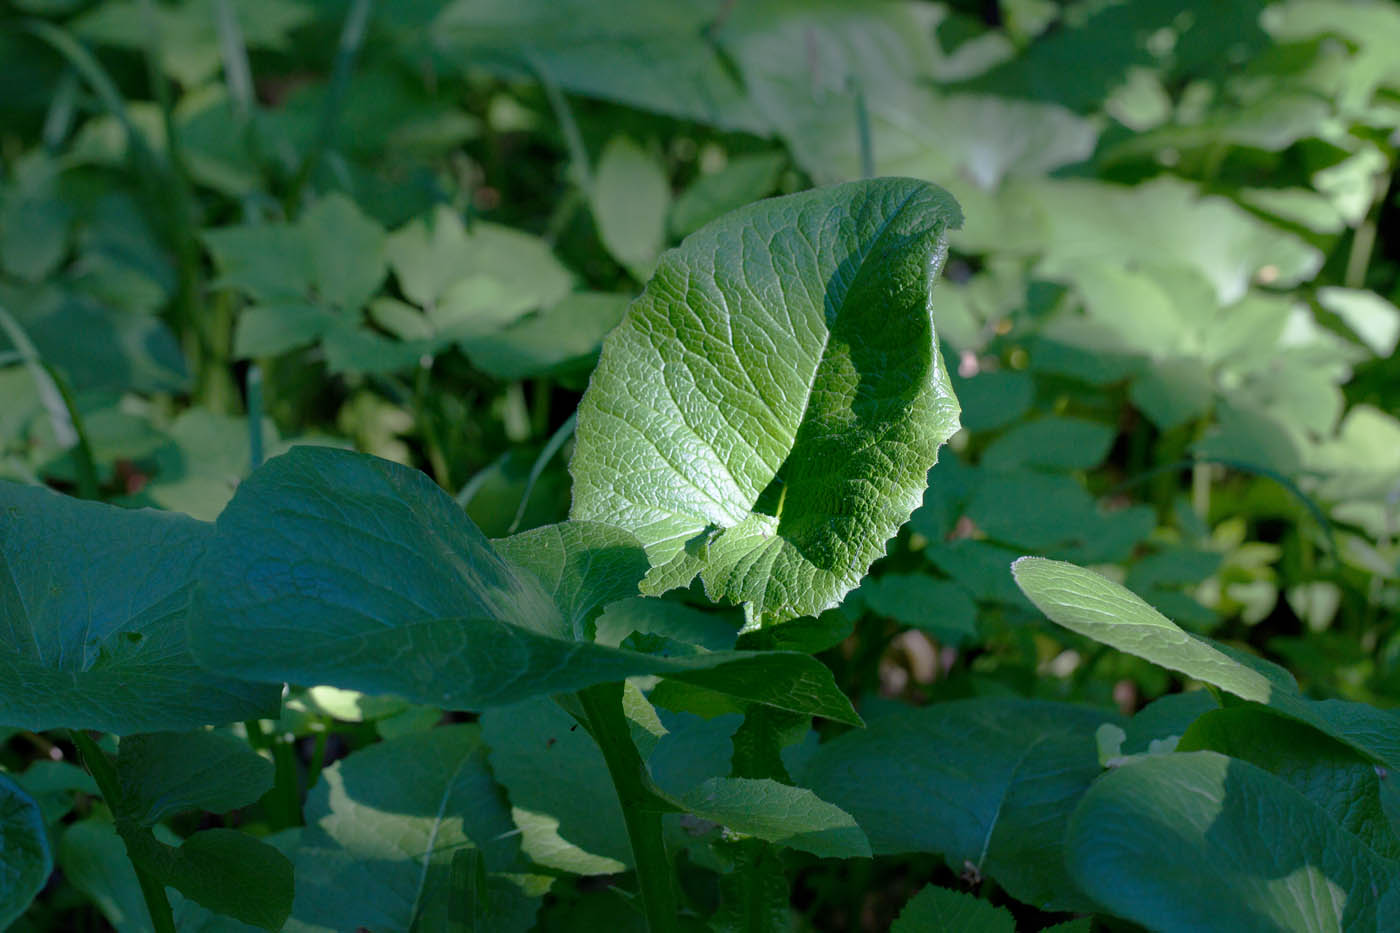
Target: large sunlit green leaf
[[988, 783], [382, 828], [337, 568], [93, 602], [767, 413], [25, 859], [1199, 841]]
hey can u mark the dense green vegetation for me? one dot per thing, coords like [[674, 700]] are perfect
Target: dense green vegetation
[[736, 465]]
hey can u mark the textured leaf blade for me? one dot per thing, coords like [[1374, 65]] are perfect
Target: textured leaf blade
[[93, 606], [583, 565], [767, 412], [936, 908]]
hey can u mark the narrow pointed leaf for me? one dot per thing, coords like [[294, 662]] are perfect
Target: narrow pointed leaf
[[93, 607], [779, 813], [767, 412], [1095, 607]]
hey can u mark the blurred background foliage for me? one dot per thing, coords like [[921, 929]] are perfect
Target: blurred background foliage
[[227, 226]]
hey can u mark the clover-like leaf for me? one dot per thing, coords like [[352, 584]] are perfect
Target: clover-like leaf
[[767, 412]]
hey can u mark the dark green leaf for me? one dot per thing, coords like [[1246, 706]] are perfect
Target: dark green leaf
[[383, 827], [936, 908], [165, 773], [25, 860], [1198, 841], [988, 783], [96, 599]]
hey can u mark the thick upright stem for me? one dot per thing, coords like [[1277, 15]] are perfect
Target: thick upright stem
[[105, 776], [603, 707]]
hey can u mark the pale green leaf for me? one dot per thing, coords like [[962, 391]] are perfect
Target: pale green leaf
[[347, 251], [1091, 605], [1372, 318], [743, 179], [1095, 607], [473, 281], [767, 412], [563, 338], [630, 198], [95, 601]]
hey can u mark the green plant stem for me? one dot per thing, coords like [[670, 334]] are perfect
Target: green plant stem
[[254, 393], [1363, 242], [282, 802], [602, 706], [105, 775], [432, 441], [352, 35], [201, 335], [573, 139], [551, 448], [867, 148], [1200, 489], [58, 404]]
